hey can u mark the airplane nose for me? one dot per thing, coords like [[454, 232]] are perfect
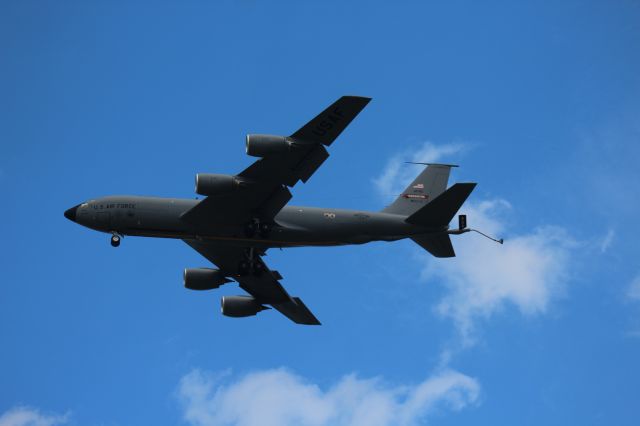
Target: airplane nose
[[71, 213]]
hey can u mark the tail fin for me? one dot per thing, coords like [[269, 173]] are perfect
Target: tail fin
[[440, 211], [427, 186]]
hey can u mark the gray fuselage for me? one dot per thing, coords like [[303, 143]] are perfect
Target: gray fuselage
[[294, 226]]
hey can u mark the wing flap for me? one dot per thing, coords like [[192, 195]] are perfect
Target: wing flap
[[311, 163], [289, 168]]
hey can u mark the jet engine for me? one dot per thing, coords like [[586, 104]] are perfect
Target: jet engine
[[266, 145], [214, 184], [203, 278], [240, 306]]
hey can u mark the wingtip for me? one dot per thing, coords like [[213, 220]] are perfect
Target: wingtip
[[364, 99]]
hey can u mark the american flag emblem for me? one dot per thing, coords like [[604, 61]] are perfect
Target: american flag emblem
[[418, 186]]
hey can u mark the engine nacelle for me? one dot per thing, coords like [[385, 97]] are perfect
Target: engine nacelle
[[203, 278], [214, 184], [266, 145], [240, 306]]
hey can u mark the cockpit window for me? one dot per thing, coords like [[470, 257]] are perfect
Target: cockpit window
[[83, 205]]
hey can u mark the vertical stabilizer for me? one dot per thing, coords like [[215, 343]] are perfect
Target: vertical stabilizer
[[427, 186], [440, 211]]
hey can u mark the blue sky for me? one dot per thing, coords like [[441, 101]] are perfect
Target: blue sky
[[539, 103]]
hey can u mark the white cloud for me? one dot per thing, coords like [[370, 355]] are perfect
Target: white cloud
[[280, 397], [397, 175], [607, 240], [25, 416], [528, 271], [633, 291]]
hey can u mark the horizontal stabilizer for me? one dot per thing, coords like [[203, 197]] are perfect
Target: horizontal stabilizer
[[328, 125], [438, 245], [443, 208]]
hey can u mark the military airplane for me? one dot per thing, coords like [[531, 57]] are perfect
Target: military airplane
[[244, 215]]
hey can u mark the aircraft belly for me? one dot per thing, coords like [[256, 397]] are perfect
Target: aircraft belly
[[134, 215], [293, 227], [329, 228]]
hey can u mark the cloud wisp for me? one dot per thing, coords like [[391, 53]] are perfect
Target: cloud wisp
[[397, 175], [607, 241], [26, 416], [633, 292], [280, 397]]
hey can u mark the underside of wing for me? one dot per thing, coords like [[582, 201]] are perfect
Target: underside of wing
[[297, 312], [246, 266]]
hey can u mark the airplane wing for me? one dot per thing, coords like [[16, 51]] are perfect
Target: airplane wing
[[265, 287], [273, 175]]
